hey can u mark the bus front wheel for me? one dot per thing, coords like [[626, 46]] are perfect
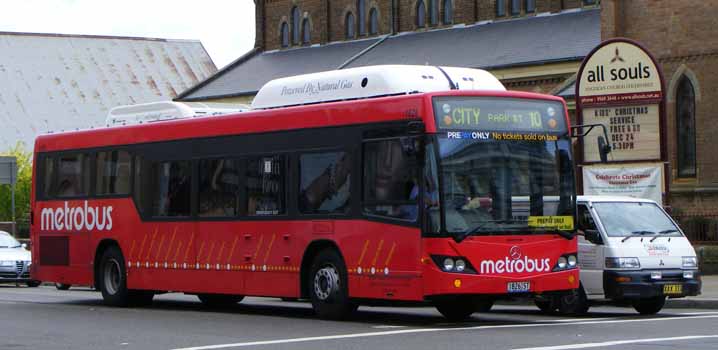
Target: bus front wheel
[[456, 309], [328, 288]]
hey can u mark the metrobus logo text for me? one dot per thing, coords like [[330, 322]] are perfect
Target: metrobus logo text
[[76, 218], [509, 265]]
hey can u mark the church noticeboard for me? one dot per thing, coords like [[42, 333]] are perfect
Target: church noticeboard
[[620, 86]]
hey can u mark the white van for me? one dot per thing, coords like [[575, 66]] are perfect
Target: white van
[[630, 252]]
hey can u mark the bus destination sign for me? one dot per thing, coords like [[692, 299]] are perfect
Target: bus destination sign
[[499, 118]]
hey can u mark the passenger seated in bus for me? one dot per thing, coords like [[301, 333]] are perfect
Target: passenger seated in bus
[[330, 190]]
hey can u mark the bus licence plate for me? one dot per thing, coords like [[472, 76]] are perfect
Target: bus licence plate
[[672, 289], [518, 287]]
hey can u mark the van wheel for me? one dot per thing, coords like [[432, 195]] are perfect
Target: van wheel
[[328, 289], [219, 300], [574, 302], [62, 286], [649, 306]]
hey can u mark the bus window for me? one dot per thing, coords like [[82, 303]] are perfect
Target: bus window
[[265, 185], [73, 176], [219, 194], [172, 189], [48, 172], [390, 178], [113, 173], [325, 182]]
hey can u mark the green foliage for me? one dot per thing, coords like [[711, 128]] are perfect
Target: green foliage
[[22, 186]]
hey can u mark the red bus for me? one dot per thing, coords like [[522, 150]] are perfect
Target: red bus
[[391, 183]]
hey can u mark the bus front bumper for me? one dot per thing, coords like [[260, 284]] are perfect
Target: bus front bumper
[[444, 283]]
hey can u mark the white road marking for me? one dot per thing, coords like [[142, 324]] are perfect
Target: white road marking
[[618, 342], [387, 327], [431, 330]]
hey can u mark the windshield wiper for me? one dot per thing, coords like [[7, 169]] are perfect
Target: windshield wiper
[[482, 227], [563, 233], [664, 232], [638, 233]]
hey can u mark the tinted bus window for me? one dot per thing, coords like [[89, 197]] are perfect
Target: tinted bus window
[[48, 173], [390, 182], [113, 172], [325, 182], [73, 178], [265, 185], [172, 189], [219, 190]]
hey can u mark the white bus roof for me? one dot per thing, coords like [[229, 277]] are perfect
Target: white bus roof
[[167, 110], [371, 81]]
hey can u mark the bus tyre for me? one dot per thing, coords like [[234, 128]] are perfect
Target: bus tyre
[[649, 306], [328, 288], [62, 286], [547, 307], [33, 284], [484, 305], [457, 309], [112, 278], [574, 302], [219, 300]]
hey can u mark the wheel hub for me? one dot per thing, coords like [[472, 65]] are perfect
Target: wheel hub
[[112, 276], [326, 282]]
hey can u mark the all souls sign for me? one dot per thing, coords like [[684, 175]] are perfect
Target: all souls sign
[[620, 86]]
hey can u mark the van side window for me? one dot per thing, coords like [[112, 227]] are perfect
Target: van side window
[[585, 220]]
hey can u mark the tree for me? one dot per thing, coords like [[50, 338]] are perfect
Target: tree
[[22, 186]]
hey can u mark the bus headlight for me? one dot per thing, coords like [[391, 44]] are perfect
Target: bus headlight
[[690, 262], [448, 264], [562, 262], [622, 263], [572, 261], [460, 265]]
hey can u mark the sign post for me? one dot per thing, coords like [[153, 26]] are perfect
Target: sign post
[[8, 176], [621, 86]]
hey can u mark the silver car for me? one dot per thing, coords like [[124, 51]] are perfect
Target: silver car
[[15, 261]]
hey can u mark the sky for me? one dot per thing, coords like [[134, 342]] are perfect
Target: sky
[[225, 27]]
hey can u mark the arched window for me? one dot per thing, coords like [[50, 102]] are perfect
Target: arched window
[[433, 12], [448, 12], [349, 23], [420, 14], [285, 34], [515, 7], [295, 25], [361, 11], [530, 6], [686, 128], [373, 21], [306, 32]]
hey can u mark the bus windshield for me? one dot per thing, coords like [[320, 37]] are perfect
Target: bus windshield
[[503, 177]]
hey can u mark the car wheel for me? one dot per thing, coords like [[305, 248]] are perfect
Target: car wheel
[[649, 306], [328, 288], [62, 286], [33, 284], [219, 300]]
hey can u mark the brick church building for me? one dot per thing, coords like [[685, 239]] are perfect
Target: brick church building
[[531, 45]]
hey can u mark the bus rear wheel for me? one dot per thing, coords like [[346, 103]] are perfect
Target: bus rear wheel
[[112, 281], [62, 286], [328, 288], [219, 300]]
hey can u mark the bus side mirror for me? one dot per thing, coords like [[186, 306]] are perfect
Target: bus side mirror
[[603, 149], [593, 236]]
